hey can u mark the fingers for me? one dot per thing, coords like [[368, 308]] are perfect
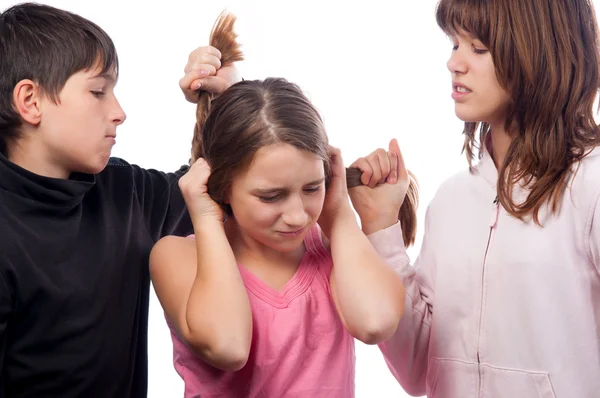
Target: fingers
[[197, 175], [212, 84], [190, 84], [382, 166], [375, 167], [207, 55], [365, 168], [203, 63], [193, 76], [337, 164]]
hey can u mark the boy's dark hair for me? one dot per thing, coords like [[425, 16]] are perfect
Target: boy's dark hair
[[46, 45]]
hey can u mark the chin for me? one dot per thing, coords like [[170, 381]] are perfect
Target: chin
[[466, 115], [93, 168], [288, 245]]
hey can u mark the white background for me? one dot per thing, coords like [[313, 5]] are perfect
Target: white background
[[376, 70]]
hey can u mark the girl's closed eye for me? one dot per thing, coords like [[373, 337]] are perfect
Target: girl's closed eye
[[312, 189], [479, 50], [454, 43], [270, 198]]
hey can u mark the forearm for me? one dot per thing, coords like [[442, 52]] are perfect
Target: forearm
[[406, 351], [218, 314], [370, 295]]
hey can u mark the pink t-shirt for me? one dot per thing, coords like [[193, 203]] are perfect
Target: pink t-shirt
[[299, 345]]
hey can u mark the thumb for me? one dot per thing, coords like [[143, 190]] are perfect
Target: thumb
[[213, 84], [394, 148]]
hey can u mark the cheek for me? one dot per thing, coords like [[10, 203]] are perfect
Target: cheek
[[254, 214], [493, 85], [265, 214], [497, 100], [74, 124], [314, 203]]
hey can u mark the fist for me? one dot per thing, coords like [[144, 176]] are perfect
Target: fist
[[386, 182], [203, 71], [194, 189]]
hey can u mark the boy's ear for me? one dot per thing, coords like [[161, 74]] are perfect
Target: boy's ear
[[27, 98]]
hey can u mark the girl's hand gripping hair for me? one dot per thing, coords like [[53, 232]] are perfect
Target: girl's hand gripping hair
[[336, 203], [386, 183], [194, 190]]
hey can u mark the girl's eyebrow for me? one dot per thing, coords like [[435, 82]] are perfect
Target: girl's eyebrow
[[281, 189]]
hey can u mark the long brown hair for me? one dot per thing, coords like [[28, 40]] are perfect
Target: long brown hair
[[223, 38], [546, 57], [254, 113]]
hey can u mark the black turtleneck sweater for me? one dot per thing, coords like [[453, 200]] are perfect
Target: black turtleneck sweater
[[74, 278]]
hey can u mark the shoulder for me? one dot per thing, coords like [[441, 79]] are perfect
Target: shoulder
[[453, 189], [169, 245], [117, 162], [587, 171], [116, 168], [120, 168], [584, 187]]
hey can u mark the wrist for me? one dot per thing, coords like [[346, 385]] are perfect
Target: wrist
[[207, 224], [334, 218], [344, 217], [383, 221]]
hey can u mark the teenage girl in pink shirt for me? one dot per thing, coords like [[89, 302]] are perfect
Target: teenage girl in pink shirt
[[267, 302]]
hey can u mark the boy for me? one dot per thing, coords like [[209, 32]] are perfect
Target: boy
[[76, 226]]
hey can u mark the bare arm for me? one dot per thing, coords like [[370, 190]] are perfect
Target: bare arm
[[378, 204], [198, 282], [368, 294], [203, 295]]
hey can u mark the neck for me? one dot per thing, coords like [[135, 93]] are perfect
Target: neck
[[30, 156], [500, 140]]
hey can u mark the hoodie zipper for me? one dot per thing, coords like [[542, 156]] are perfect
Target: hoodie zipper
[[492, 225]]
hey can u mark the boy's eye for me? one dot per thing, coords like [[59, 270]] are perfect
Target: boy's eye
[[98, 93]]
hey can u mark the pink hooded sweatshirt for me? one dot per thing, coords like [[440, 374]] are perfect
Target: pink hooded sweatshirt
[[497, 307]]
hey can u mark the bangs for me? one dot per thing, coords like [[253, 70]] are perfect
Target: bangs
[[85, 47], [98, 52], [469, 16]]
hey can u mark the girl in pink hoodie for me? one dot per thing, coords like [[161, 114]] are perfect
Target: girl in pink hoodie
[[503, 300]]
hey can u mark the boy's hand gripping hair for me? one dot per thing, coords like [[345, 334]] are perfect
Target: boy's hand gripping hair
[[223, 38]]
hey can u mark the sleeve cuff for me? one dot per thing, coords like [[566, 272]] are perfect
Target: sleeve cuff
[[389, 244]]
